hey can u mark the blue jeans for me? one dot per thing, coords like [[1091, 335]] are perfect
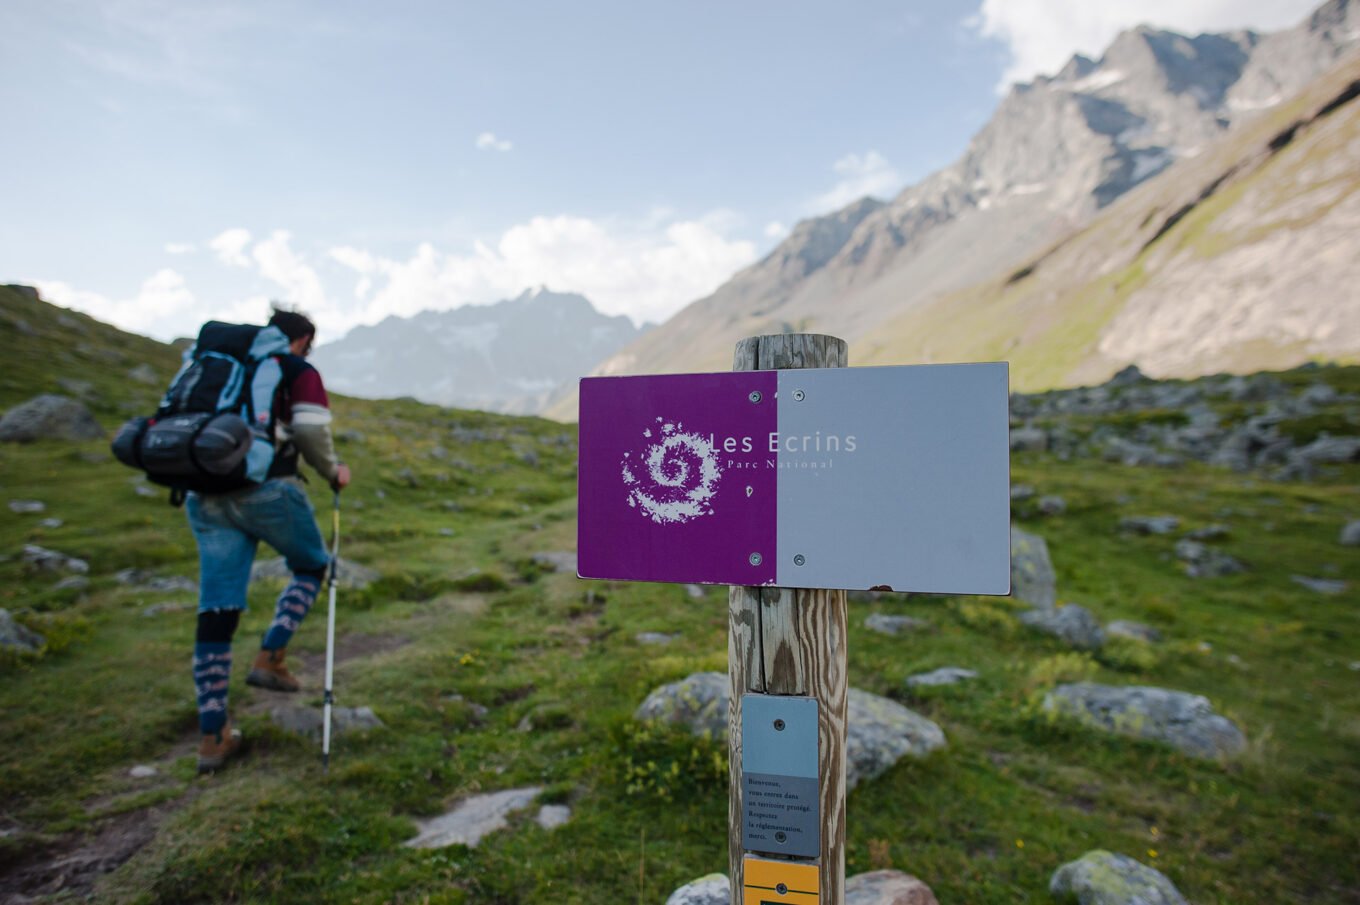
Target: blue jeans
[[229, 527]]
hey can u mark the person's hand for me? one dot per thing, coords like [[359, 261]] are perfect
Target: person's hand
[[342, 477]]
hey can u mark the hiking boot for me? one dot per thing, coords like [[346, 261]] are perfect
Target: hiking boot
[[215, 748], [269, 671]]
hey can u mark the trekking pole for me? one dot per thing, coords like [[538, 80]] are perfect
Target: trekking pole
[[329, 698]]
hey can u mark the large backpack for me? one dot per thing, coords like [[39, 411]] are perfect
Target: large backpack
[[214, 430]]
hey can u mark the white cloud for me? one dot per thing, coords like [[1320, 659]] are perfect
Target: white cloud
[[647, 275], [860, 175], [180, 248], [278, 263], [1042, 35], [488, 141], [163, 306], [230, 246], [775, 230]]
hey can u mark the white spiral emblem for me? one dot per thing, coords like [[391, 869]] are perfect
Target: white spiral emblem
[[672, 481]]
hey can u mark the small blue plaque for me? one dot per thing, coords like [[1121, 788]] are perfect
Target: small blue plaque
[[779, 795]]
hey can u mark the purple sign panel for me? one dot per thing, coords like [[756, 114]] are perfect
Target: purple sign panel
[[893, 478], [673, 483]]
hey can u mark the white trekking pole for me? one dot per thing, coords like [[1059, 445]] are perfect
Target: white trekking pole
[[329, 698]]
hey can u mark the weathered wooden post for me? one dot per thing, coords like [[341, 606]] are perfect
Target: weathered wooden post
[[791, 641]]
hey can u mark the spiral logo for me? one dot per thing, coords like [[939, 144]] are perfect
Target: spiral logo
[[672, 480]]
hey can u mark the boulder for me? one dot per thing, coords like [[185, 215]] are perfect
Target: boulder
[[1149, 524], [887, 887], [308, 720], [49, 417], [1032, 577], [1320, 585], [15, 636], [1029, 439], [1209, 532], [1350, 534], [945, 675], [654, 637], [557, 561], [551, 816], [1122, 628], [1205, 562], [350, 575], [1184, 721], [1070, 622], [1327, 450], [885, 624], [24, 507], [1128, 376], [472, 819], [44, 560], [879, 732], [714, 889], [1107, 878], [1021, 492], [1052, 505]]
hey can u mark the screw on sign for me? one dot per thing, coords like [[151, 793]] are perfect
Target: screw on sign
[[779, 882]]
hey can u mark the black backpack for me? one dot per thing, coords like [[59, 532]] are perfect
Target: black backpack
[[214, 430]]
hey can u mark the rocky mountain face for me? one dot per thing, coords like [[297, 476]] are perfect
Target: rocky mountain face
[[506, 357], [1058, 152]]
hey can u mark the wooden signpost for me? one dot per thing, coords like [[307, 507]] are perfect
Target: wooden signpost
[[792, 479]]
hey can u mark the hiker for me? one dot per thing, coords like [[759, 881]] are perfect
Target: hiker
[[229, 526]]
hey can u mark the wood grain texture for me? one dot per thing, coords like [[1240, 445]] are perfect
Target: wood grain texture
[[791, 641]]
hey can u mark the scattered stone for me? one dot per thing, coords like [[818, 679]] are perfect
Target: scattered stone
[[16, 636], [1070, 622], [945, 675], [1128, 376], [557, 560], [1032, 577], [49, 417], [81, 389], [144, 373], [895, 625], [1021, 492], [695, 592], [551, 816], [1184, 721], [446, 532], [408, 477], [159, 608], [1052, 505], [1205, 562], [1029, 439], [1149, 524], [714, 889], [1122, 628], [72, 583], [308, 721], [145, 490], [887, 887], [349, 575], [144, 580], [1106, 878], [27, 506], [1209, 532], [1126, 452], [350, 436], [1327, 450], [51, 523], [879, 731], [44, 560], [1350, 535], [1320, 585], [654, 637], [143, 771], [473, 819]]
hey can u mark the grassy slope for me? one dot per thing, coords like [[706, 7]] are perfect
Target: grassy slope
[[1048, 322], [985, 821]]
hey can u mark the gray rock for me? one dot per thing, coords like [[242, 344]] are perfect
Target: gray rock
[[880, 732], [1122, 628], [654, 638], [43, 560], [1149, 524], [472, 819], [350, 575], [51, 523], [1209, 532], [557, 560], [1032, 577], [945, 675], [26, 506], [1319, 394], [49, 417], [82, 389], [714, 889], [551, 816], [351, 436], [1327, 450], [1021, 492], [1320, 585], [145, 580], [146, 490], [144, 373], [308, 721], [1129, 376], [1184, 721], [157, 609], [1070, 622], [894, 625], [1350, 534], [1029, 439], [694, 591], [1205, 562], [887, 887], [18, 637], [1126, 452], [72, 583], [1052, 505], [143, 771], [1107, 878]]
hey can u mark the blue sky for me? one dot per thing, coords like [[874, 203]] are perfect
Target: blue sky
[[166, 162]]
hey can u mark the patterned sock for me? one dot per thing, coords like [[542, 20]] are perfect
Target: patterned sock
[[212, 670], [291, 609]]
